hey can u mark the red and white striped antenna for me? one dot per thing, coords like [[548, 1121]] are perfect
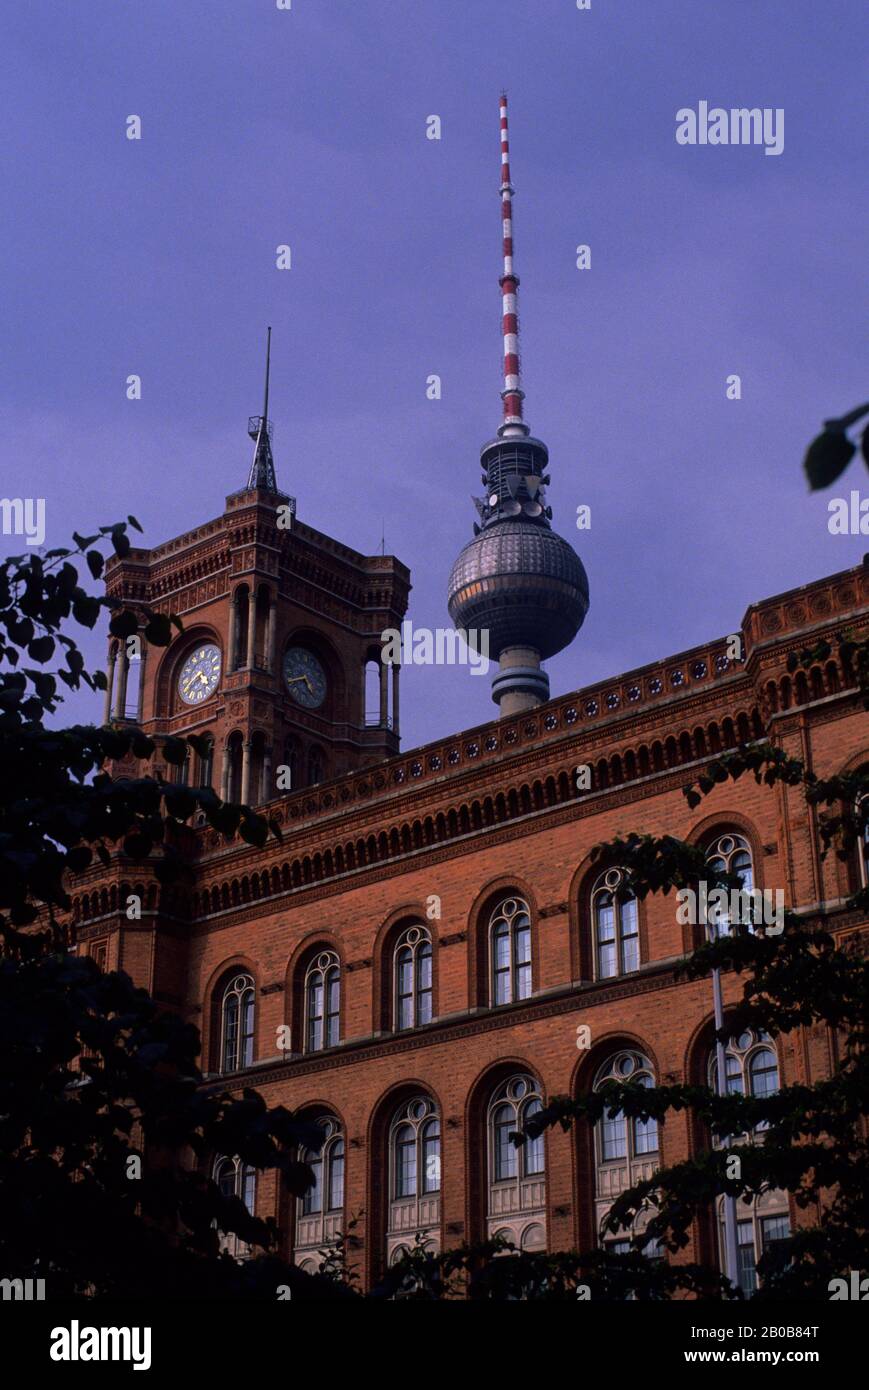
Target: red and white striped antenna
[[512, 394]]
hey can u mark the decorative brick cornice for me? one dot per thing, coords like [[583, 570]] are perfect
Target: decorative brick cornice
[[554, 909], [454, 939], [358, 965]]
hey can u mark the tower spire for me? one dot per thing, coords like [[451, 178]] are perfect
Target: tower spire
[[512, 395], [262, 469]]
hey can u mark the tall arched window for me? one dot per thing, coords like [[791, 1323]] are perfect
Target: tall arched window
[[322, 1001], [237, 1015], [510, 938], [205, 762], [413, 978], [414, 1176], [731, 854], [616, 927], [290, 779], [316, 765], [516, 1174], [320, 1212], [862, 809], [236, 1179], [626, 1150], [750, 1067]]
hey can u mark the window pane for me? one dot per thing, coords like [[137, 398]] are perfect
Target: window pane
[[405, 1162], [230, 1032], [534, 1153], [523, 982], [645, 1136], [313, 1198], [431, 1157], [614, 1136], [336, 1176], [247, 1006], [747, 1274], [607, 958], [523, 944], [606, 918], [248, 1187], [503, 1124], [763, 1073]]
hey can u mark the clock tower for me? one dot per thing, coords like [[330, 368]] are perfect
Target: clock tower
[[278, 664]]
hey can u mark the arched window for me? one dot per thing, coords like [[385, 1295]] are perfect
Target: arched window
[[236, 1179], [413, 978], [290, 778], [237, 1014], [750, 1068], [862, 811], [758, 1227], [322, 1001], [320, 1212], [510, 937], [516, 1174], [205, 762], [316, 766], [731, 854], [414, 1175], [616, 927], [626, 1150]]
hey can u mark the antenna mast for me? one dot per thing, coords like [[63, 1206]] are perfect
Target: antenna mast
[[512, 395]]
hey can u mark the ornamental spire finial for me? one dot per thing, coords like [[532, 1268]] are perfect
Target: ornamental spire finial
[[262, 469]]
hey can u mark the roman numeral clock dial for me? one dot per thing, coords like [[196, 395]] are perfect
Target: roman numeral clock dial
[[304, 677]]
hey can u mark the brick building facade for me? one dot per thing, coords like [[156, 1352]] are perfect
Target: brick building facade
[[433, 931]]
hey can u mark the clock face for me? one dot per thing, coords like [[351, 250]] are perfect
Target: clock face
[[199, 674], [304, 677]]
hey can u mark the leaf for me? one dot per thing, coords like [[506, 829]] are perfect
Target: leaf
[[41, 648], [121, 542], [95, 563], [827, 457], [123, 624]]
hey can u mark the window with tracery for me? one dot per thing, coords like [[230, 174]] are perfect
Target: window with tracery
[[237, 1015], [516, 1204], [236, 1179], [414, 1176], [616, 926], [322, 1002], [625, 1148], [510, 953], [750, 1068], [731, 854], [413, 978], [320, 1212]]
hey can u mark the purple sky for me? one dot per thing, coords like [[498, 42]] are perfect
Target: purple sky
[[262, 127]]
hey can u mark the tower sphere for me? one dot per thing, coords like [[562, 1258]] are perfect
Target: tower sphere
[[521, 583]]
